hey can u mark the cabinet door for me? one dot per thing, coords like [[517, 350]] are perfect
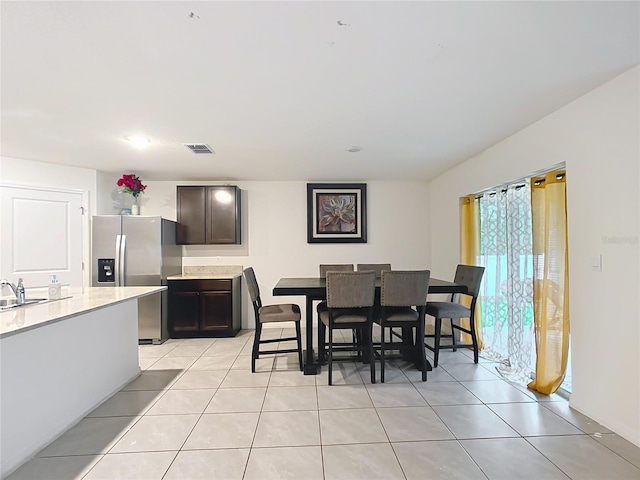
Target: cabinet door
[[216, 311], [223, 214], [184, 311], [191, 213]]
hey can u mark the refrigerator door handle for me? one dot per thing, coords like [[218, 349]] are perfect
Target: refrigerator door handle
[[117, 261], [123, 251]]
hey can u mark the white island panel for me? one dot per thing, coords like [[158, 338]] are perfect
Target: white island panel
[[54, 372]]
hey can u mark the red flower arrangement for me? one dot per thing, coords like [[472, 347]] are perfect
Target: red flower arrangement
[[131, 184]]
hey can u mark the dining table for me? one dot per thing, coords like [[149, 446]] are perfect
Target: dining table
[[315, 289]]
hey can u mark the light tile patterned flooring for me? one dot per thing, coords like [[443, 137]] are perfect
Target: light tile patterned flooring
[[197, 412]]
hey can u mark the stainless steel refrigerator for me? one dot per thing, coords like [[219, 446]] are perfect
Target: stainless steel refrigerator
[[132, 250]]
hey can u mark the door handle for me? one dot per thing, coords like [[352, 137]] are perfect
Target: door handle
[[123, 255], [117, 260]]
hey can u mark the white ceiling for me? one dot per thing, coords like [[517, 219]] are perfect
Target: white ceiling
[[280, 90]]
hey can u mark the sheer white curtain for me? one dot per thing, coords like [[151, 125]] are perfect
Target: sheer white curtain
[[507, 290]]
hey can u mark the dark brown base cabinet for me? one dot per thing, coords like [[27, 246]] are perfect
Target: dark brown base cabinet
[[204, 308]]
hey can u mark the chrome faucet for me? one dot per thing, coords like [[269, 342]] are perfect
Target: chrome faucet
[[18, 290]]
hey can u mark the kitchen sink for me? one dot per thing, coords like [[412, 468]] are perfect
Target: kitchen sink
[[7, 303]]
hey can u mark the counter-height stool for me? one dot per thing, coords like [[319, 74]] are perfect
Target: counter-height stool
[[283, 312], [378, 268], [324, 268], [350, 298], [403, 295], [471, 277]]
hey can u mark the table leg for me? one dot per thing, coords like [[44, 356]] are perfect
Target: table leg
[[419, 349], [415, 356], [310, 365]]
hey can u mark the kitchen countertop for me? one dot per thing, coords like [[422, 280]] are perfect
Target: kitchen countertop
[[204, 276], [79, 301]]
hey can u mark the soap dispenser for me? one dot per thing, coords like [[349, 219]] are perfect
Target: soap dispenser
[[54, 288]]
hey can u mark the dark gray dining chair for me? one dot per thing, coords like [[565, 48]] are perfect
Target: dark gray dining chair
[[378, 268], [471, 277], [350, 298], [403, 296], [283, 312], [333, 267]]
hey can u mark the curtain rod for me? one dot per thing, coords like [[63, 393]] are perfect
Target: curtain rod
[[505, 186], [504, 190]]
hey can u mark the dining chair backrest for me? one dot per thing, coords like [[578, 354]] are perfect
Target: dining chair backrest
[[378, 268], [252, 285], [404, 288], [337, 267], [350, 289], [471, 277]]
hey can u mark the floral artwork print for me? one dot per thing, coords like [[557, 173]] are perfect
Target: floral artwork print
[[336, 213]]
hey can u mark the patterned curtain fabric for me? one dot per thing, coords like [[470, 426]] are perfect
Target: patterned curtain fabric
[[507, 289], [551, 280], [469, 250]]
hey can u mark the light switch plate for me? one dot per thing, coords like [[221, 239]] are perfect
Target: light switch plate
[[596, 263]]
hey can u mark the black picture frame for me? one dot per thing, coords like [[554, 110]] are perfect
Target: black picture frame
[[336, 213]]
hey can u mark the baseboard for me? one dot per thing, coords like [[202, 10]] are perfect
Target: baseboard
[[622, 429]]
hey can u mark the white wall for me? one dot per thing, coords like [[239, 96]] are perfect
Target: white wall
[[598, 136], [111, 200], [275, 232], [27, 172]]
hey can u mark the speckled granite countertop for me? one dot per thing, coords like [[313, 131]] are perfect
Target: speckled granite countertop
[[204, 276], [210, 272], [79, 301]]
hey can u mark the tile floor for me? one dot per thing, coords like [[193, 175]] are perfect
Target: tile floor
[[197, 412]]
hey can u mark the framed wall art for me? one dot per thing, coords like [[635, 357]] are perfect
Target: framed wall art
[[336, 213]]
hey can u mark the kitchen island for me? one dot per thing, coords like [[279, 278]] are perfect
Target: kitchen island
[[61, 359]]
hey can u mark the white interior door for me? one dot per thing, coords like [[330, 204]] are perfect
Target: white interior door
[[41, 235]]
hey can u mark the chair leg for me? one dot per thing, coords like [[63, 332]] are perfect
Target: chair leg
[[372, 363], [355, 339], [299, 339], [322, 343], [256, 346], [453, 335], [421, 352], [382, 348], [330, 359], [474, 338], [436, 341]]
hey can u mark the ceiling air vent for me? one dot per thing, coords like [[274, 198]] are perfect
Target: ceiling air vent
[[198, 147]]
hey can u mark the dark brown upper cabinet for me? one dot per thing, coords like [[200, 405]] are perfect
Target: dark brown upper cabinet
[[209, 214]]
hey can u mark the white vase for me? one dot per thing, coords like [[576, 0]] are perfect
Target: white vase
[[135, 209]]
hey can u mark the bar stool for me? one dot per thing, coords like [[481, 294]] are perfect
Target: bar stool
[[403, 295], [471, 277], [350, 299], [283, 312]]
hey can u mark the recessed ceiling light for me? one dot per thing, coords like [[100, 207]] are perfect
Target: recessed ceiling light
[[138, 140], [354, 149]]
